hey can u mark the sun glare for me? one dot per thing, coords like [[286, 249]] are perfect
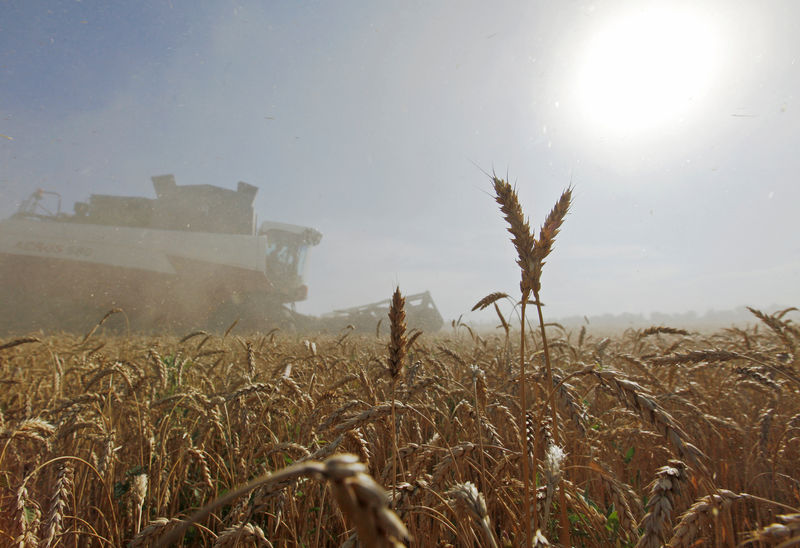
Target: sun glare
[[645, 71]]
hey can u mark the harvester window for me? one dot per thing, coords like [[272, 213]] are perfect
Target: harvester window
[[285, 253], [301, 259], [282, 253]]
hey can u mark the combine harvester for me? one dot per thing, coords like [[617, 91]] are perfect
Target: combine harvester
[[193, 257]]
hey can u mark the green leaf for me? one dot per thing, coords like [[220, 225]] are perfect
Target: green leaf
[[120, 488], [629, 454], [30, 514], [612, 521]]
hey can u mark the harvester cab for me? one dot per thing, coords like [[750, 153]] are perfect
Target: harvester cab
[[286, 250]]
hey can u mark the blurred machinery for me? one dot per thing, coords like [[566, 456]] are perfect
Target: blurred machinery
[[194, 256]]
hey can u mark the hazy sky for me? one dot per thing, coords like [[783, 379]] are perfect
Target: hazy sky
[[372, 122]]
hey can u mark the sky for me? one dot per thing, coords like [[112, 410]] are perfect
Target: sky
[[377, 124]]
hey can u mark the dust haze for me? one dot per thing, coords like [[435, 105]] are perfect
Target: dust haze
[[362, 137]]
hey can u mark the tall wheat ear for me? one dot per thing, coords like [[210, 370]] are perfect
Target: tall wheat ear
[[531, 255], [398, 347]]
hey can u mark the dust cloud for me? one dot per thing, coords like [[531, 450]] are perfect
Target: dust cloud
[[375, 127]]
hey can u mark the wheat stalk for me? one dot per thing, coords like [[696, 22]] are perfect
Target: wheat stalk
[[524, 242], [541, 249], [397, 355]]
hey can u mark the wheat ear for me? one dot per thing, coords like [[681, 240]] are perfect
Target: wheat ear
[[785, 530], [547, 237], [156, 529], [702, 512], [241, 535], [488, 300], [520, 230], [59, 503], [467, 497], [362, 501], [664, 490]]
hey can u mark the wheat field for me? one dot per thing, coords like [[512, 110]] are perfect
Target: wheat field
[[666, 436], [530, 434]]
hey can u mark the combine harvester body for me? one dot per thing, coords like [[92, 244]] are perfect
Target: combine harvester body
[[193, 257]]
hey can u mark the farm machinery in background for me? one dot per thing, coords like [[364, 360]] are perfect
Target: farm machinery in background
[[193, 257], [421, 313]]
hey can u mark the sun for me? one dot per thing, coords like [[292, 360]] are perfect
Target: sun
[[645, 70]]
